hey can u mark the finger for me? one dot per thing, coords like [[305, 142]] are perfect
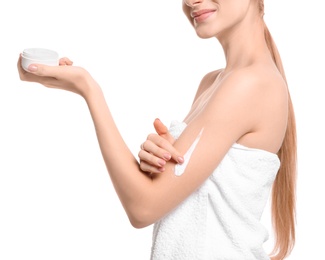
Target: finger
[[37, 69], [160, 128], [65, 61], [150, 169], [162, 148], [43, 70], [25, 75], [155, 148], [21, 71], [151, 159], [163, 131]]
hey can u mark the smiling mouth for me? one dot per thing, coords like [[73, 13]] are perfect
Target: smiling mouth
[[202, 15]]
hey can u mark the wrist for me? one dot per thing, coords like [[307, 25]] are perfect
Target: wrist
[[93, 92], [91, 87]]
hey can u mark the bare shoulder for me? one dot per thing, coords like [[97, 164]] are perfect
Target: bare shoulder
[[256, 98], [262, 87], [206, 82], [256, 79]]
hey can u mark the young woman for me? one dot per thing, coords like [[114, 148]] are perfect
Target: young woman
[[237, 141]]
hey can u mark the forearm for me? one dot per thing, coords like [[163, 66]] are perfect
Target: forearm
[[131, 184], [144, 199]]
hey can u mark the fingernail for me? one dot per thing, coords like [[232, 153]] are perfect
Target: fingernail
[[167, 156], [162, 169], [161, 163], [180, 159], [32, 68]]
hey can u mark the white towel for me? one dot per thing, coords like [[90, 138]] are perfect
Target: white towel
[[220, 220]]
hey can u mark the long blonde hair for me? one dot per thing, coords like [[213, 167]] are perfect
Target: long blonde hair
[[283, 207], [284, 186]]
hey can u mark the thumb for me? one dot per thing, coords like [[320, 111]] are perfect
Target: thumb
[[41, 70], [162, 130]]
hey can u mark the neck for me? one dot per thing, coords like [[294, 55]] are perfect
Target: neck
[[244, 44]]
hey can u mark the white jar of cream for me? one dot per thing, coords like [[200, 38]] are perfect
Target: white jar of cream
[[39, 56]]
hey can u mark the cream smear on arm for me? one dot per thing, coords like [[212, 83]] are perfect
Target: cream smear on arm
[[180, 168]]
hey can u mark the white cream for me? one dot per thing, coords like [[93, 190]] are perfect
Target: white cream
[[180, 168]]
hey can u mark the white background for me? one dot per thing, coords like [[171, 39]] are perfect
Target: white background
[[56, 198]]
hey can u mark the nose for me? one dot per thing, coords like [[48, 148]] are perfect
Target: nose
[[192, 3]]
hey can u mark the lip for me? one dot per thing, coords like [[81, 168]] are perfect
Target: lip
[[201, 15]]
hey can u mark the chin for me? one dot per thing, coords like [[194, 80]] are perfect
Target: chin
[[205, 31], [204, 34]]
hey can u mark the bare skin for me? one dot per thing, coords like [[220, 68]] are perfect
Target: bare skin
[[159, 146], [246, 104]]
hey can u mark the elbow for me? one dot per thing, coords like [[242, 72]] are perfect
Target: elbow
[[141, 218], [138, 224]]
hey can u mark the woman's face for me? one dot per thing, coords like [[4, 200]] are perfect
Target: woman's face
[[211, 17]]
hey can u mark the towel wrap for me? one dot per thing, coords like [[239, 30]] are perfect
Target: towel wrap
[[221, 219]]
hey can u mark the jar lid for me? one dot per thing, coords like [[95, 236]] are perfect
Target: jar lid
[[40, 54]]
